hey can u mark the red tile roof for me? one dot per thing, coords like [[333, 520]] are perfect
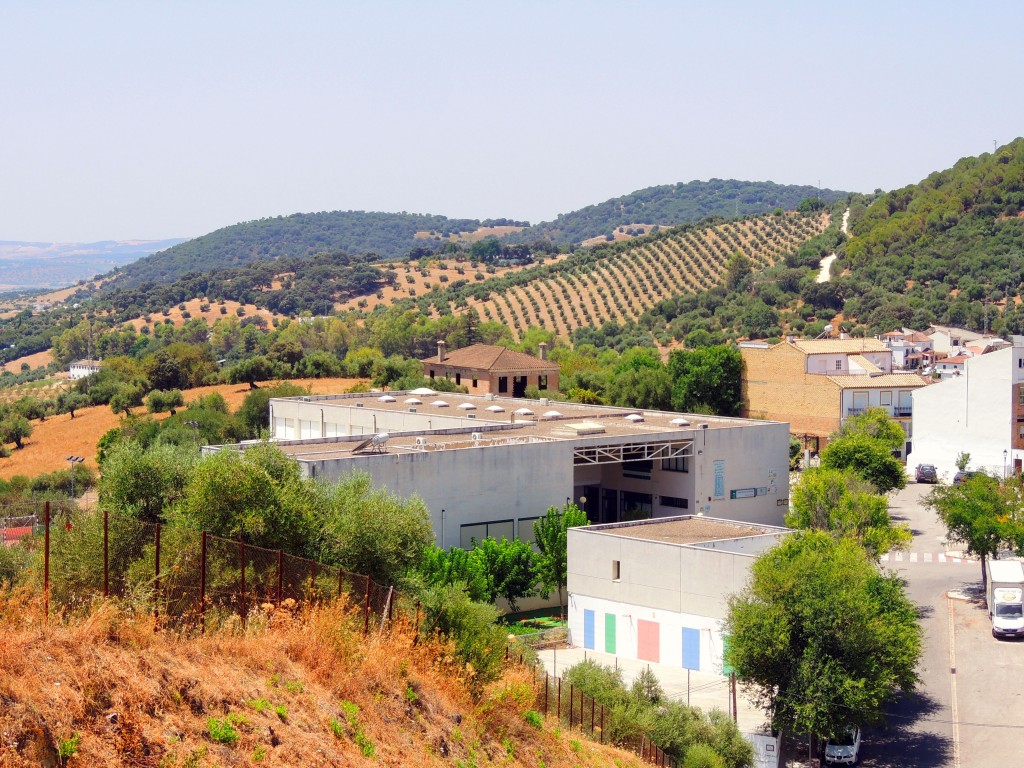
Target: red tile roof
[[487, 357]]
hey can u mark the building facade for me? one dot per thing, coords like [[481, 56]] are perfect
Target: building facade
[[489, 369], [82, 368], [490, 466], [656, 590], [980, 412]]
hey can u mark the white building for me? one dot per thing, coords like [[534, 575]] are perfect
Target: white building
[[980, 411], [490, 466], [82, 368], [656, 590]]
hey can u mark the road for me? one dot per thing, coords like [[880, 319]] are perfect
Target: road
[[969, 700]]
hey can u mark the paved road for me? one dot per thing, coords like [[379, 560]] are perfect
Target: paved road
[[969, 680]]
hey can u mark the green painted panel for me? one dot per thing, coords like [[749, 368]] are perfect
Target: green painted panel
[[609, 633], [726, 668]]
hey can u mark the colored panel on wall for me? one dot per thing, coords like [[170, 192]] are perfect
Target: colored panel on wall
[[691, 648], [726, 667], [648, 640], [588, 629], [609, 633]]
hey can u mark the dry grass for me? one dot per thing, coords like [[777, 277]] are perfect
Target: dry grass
[[139, 697], [38, 360], [60, 436]]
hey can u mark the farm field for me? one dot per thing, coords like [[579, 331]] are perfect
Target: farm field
[[60, 436]]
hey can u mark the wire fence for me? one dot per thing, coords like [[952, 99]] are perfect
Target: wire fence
[[576, 710], [186, 577], [195, 579]]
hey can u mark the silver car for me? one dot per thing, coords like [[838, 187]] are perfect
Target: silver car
[[845, 748]]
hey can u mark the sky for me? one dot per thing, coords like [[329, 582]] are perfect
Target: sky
[[124, 120]]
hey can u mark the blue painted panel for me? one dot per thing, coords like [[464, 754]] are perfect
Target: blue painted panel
[[691, 648], [588, 629]]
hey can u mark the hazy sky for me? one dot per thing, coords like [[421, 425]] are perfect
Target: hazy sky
[[150, 120]]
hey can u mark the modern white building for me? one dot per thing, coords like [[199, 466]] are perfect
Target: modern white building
[[980, 411], [490, 466], [82, 368], [656, 590]]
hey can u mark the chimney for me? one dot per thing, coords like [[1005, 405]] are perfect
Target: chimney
[[440, 351], [543, 347]]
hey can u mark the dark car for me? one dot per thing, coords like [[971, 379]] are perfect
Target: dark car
[[963, 476], [926, 474]]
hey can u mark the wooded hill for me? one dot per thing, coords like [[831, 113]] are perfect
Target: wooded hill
[[672, 204]]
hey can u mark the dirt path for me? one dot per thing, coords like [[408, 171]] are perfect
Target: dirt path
[[826, 263]]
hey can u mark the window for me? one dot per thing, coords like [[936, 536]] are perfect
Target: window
[[477, 532], [474, 381], [638, 469], [458, 378], [1021, 393], [1020, 432], [527, 532], [839, 365], [431, 373], [542, 382], [502, 384], [676, 464], [675, 501], [616, 570], [885, 398]]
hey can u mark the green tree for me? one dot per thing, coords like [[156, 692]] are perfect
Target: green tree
[[14, 428], [145, 483], [456, 566], [159, 401], [820, 637], [982, 514], [875, 423], [550, 536], [370, 530], [254, 412], [70, 401], [869, 457], [840, 502], [738, 270], [641, 388], [706, 378], [250, 371], [509, 568]]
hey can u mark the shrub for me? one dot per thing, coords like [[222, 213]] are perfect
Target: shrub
[[222, 730]]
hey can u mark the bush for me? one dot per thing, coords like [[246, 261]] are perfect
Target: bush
[[472, 628]]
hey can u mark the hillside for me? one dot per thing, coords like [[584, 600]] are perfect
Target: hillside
[[619, 283], [290, 689], [389, 235], [669, 205], [946, 250]]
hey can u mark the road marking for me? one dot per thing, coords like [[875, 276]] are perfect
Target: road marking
[[954, 713], [942, 557], [913, 557], [899, 557], [884, 558], [927, 557]]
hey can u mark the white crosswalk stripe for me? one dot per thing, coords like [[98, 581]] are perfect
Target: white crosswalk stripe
[[927, 557], [913, 557], [922, 557]]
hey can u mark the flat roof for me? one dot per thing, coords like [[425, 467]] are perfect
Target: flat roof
[[437, 427], [684, 530]]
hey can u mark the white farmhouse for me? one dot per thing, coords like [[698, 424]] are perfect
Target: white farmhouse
[[82, 368]]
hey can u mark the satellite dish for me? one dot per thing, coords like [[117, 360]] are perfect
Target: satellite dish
[[828, 328]]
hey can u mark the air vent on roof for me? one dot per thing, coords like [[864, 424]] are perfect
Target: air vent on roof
[[470, 415], [359, 405], [489, 396], [412, 410], [543, 401], [478, 436]]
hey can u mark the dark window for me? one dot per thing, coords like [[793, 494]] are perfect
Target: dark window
[[676, 464], [431, 373], [474, 381], [616, 570], [458, 378], [639, 469], [675, 501], [542, 382], [502, 384]]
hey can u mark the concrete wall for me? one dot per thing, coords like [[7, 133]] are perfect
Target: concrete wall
[[346, 420], [777, 387], [674, 586], [472, 485], [973, 412]]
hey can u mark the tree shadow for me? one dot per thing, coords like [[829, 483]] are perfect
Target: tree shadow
[[910, 740]]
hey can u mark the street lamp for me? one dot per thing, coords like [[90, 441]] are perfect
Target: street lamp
[[1005, 455], [73, 460], [195, 431]]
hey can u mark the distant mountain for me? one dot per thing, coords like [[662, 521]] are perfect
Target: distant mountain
[[301, 235], [33, 265], [672, 204]]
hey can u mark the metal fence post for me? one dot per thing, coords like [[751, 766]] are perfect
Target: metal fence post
[[244, 605], [572, 700], [312, 580], [546, 674], [156, 602], [280, 575], [106, 555], [602, 723], [591, 717], [202, 585], [366, 609], [46, 563], [559, 697]]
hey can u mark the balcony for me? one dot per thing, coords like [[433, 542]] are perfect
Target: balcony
[[902, 411]]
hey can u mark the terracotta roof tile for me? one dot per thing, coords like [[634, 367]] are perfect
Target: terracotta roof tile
[[488, 357], [838, 346], [886, 381]]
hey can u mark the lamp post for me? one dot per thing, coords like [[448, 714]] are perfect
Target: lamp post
[[1005, 455], [73, 460], [195, 431]]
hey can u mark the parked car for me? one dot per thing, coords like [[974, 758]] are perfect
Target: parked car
[[926, 473], [963, 476], [845, 748]]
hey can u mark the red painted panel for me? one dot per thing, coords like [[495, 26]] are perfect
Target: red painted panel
[[648, 640]]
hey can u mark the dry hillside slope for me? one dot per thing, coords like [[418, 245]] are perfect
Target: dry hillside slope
[[289, 690]]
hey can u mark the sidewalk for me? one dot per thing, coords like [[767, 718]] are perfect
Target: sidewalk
[[707, 691]]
